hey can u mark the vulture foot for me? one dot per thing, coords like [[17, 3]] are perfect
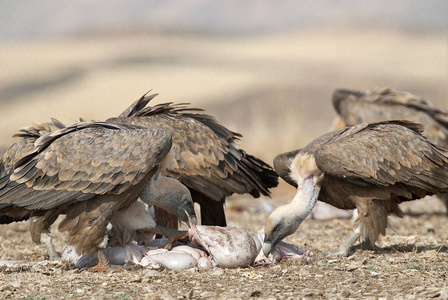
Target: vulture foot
[[341, 251], [48, 242], [344, 249], [103, 265]]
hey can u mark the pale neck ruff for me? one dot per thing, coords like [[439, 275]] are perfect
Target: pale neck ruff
[[306, 197]]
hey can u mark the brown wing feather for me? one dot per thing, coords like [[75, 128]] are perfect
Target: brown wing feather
[[382, 104], [25, 145], [384, 154], [83, 160], [207, 158], [282, 163]]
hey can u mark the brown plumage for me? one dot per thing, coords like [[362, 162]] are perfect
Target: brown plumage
[[28, 135], [88, 171], [383, 104], [205, 152], [207, 158], [371, 167]]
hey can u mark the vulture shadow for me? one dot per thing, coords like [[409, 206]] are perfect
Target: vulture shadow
[[402, 248], [420, 214]]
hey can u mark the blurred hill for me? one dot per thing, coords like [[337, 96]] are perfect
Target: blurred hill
[[265, 69]]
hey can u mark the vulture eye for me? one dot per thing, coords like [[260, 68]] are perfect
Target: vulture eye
[[276, 228]]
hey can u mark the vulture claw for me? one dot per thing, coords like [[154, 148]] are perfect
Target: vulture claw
[[103, 265], [341, 251]]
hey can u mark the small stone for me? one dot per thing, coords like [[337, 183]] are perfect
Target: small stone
[[217, 272], [208, 294], [151, 273], [15, 285], [412, 240], [79, 291], [277, 268], [353, 266]]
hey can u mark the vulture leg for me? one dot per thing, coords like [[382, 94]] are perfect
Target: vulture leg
[[344, 249], [47, 239], [444, 198], [40, 230], [103, 265], [212, 212]]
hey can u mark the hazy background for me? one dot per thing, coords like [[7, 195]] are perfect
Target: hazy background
[[266, 69]]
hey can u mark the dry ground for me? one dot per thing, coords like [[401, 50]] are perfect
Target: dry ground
[[411, 264], [276, 91]]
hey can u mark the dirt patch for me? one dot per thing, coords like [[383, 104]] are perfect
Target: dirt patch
[[412, 262]]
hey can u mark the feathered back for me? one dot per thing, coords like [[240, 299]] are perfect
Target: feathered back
[[25, 145], [206, 154], [382, 104]]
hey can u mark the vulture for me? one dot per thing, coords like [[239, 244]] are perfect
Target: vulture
[[90, 171], [207, 158], [383, 104], [371, 167]]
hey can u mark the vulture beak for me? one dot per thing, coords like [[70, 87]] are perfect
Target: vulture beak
[[191, 219], [194, 220], [267, 246]]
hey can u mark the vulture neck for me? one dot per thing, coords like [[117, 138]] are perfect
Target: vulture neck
[[303, 202]]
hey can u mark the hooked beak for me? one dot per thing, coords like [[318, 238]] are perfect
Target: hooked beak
[[191, 219], [267, 246], [194, 220]]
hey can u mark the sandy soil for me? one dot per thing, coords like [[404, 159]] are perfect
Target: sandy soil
[[412, 263]]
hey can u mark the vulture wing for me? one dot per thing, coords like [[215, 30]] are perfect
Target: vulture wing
[[282, 164], [80, 161], [383, 154], [207, 158], [26, 144], [382, 104]]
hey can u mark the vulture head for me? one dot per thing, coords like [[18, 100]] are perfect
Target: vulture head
[[286, 219], [171, 195]]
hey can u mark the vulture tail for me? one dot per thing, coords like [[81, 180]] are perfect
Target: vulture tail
[[5, 219], [212, 211], [262, 174]]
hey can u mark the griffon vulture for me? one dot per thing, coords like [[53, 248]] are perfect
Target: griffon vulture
[[89, 171], [370, 167], [383, 104], [207, 158]]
